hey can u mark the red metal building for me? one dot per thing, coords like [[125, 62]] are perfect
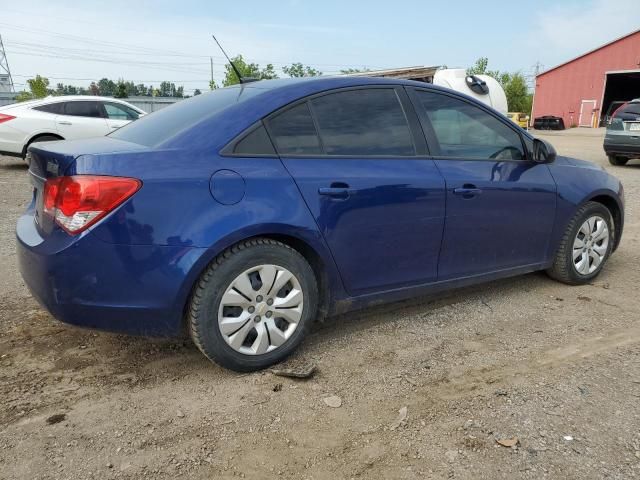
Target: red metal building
[[583, 89]]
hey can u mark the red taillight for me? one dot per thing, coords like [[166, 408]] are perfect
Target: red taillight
[[5, 118], [79, 201]]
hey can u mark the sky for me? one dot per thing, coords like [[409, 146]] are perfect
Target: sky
[[148, 42]]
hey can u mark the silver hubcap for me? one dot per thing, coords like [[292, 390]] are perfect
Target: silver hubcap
[[261, 309], [590, 245]]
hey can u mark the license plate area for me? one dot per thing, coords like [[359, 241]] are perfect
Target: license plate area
[[634, 127], [38, 190]]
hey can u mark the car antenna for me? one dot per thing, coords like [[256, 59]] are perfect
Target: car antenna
[[235, 69]]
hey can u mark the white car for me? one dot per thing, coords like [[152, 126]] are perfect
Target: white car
[[61, 118]]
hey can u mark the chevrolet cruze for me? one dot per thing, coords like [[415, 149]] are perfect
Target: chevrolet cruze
[[241, 215]]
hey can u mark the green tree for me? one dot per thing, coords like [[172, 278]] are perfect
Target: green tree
[[517, 92], [299, 70], [121, 90], [514, 85], [196, 92], [106, 87], [348, 71], [247, 70], [38, 88], [169, 89]]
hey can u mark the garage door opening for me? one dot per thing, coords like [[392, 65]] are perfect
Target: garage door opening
[[619, 87]]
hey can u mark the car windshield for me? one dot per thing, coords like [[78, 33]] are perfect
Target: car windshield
[[152, 130]]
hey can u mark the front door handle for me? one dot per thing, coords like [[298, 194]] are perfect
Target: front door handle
[[337, 192], [467, 191], [65, 123]]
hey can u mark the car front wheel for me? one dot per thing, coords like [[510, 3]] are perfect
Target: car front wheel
[[585, 246], [617, 160], [253, 305]]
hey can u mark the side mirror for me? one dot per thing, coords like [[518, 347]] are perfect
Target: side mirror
[[543, 151]]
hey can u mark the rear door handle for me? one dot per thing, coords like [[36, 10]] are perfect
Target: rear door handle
[[337, 192], [467, 191], [65, 123]]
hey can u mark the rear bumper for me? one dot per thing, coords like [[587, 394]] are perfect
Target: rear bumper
[[84, 281], [11, 143], [621, 147]]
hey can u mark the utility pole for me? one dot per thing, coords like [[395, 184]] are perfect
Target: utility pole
[[4, 68], [537, 68]]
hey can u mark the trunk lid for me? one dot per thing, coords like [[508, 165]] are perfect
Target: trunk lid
[[55, 159]]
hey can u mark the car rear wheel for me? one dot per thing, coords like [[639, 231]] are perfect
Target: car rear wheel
[[253, 305], [617, 160], [585, 246]]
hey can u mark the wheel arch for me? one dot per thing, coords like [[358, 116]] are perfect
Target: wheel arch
[[613, 205], [35, 137], [310, 246]]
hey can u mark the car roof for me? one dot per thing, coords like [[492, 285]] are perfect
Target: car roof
[[57, 98], [328, 82], [225, 113]]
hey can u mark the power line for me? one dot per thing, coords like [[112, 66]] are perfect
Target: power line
[[137, 49]]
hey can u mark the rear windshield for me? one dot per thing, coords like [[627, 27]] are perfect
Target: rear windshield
[[154, 129], [632, 108]]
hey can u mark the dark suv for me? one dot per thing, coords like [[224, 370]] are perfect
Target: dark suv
[[622, 141]]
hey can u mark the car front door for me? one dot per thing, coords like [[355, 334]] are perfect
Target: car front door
[[82, 119], [359, 159], [500, 205]]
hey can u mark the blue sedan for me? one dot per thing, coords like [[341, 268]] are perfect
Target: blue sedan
[[241, 215]]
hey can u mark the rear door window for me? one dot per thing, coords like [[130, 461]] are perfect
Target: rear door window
[[91, 109], [363, 122], [55, 108]]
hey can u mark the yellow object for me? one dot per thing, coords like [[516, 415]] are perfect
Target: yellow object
[[519, 118]]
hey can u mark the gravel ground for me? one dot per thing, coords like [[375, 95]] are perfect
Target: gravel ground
[[551, 371]]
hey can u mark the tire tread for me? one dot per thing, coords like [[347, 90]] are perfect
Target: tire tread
[[560, 270], [204, 282]]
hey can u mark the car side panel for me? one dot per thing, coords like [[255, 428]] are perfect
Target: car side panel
[[176, 207], [16, 134]]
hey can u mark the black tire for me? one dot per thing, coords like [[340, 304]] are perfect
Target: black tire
[[617, 160], [202, 314], [563, 268]]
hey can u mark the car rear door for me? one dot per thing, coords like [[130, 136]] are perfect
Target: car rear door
[[500, 205], [82, 119], [359, 159]]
